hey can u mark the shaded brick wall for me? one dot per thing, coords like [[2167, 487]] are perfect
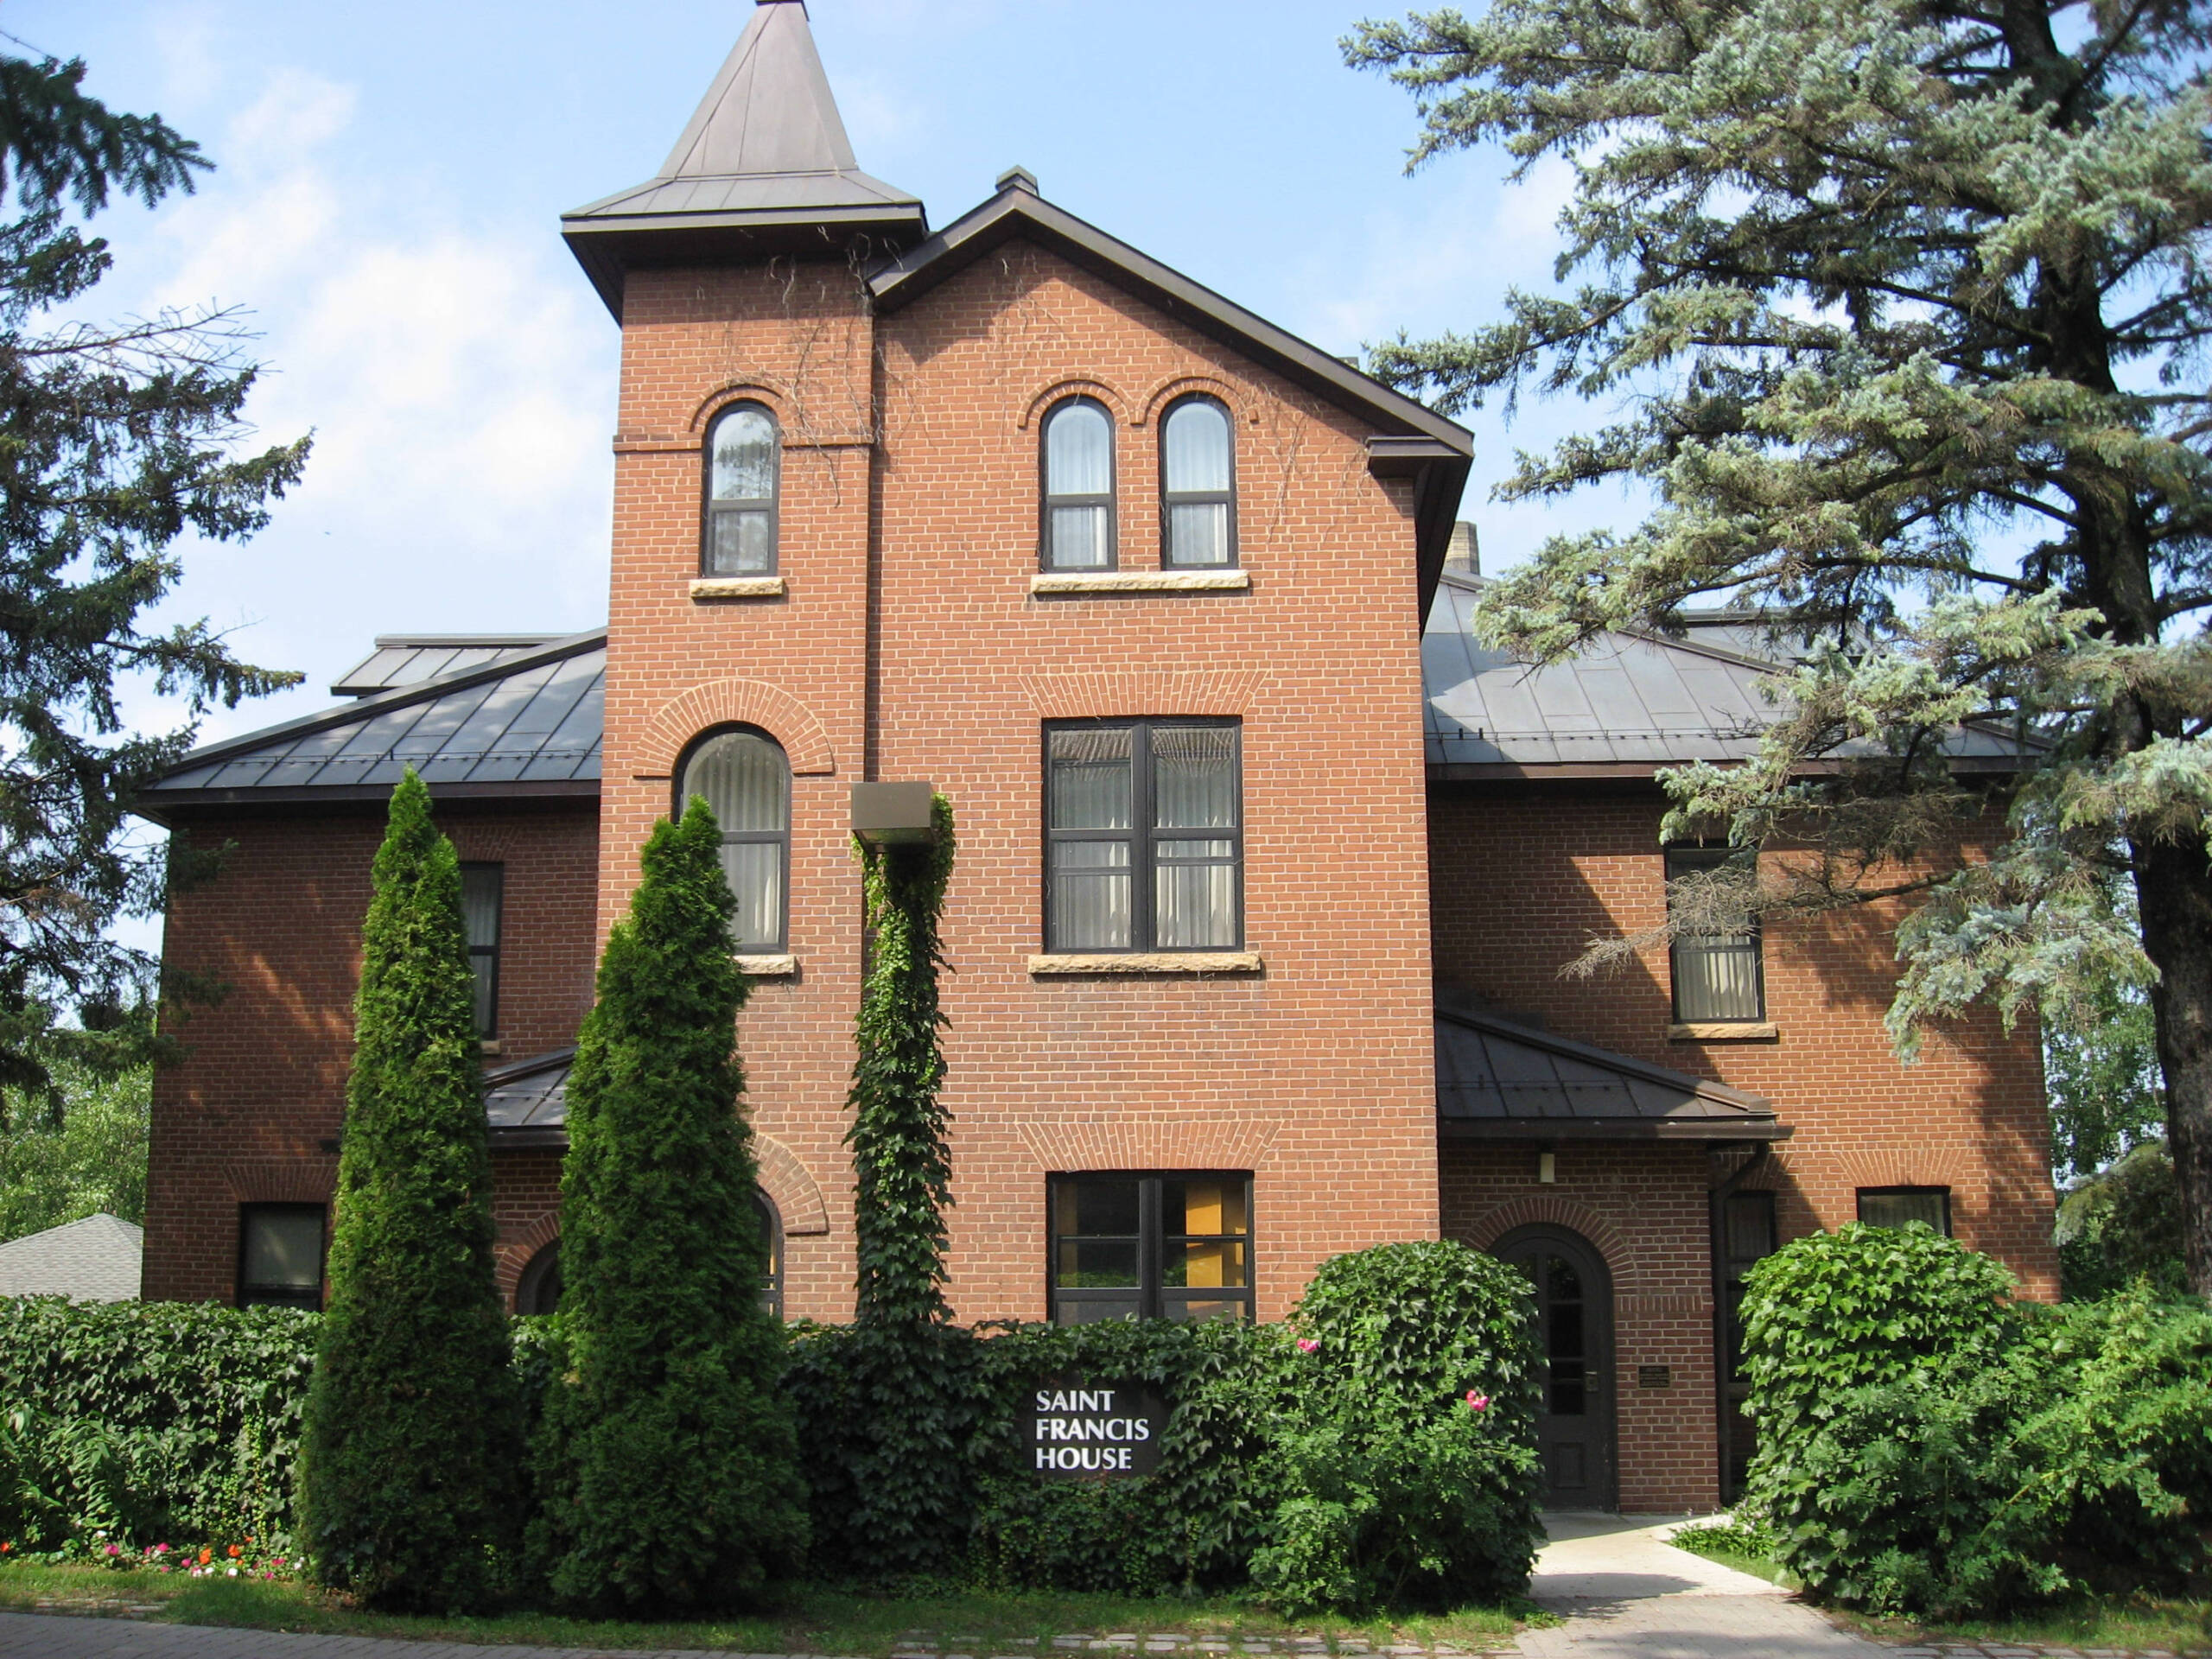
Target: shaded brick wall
[[910, 448], [1523, 879], [244, 1118], [1645, 1209]]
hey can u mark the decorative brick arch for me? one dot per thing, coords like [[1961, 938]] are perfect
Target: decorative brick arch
[[1926, 1166], [1241, 410], [785, 1179], [736, 702], [1117, 404], [1068, 1144], [769, 396], [307, 1182], [516, 1251], [1083, 697], [1554, 1210]]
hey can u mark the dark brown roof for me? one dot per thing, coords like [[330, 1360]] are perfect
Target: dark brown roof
[[1497, 1079]]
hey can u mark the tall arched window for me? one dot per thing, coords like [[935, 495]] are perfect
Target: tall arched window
[[539, 1291], [771, 1251], [1078, 487], [744, 455], [1197, 484], [745, 781]]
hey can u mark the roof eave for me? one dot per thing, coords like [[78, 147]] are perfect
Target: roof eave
[[610, 247], [1722, 1130], [167, 805]]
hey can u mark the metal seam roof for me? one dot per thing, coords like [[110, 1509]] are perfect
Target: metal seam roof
[[1491, 1068]]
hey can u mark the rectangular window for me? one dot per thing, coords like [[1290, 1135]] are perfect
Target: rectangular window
[[1718, 977], [1144, 825], [1142, 1246], [1898, 1206], [280, 1256], [482, 890]]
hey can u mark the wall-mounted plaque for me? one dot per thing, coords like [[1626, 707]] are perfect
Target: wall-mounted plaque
[[1655, 1376], [1079, 1427]]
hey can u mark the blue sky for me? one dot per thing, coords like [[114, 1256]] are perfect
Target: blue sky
[[389, 180]]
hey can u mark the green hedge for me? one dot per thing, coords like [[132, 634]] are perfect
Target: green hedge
[[157, 1422], [1929, 1447], [1332, 1460]]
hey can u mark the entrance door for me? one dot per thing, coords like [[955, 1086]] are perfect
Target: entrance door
[[1575, 1316]]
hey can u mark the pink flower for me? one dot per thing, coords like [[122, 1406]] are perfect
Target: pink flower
[[1477, 1401], [112, 1550], [1307, 1344]]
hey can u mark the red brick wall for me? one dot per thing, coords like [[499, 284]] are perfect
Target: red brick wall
[[1644, 1210], [262, 1085], [1523, 879], [910, 448]]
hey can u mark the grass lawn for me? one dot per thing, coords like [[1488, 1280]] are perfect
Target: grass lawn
[[2096, 1622], [805, 1620]]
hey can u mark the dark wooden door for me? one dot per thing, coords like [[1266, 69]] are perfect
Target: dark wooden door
[[1574, 1315]]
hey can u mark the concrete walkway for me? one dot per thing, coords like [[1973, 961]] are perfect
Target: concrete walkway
[[1628, 1594]]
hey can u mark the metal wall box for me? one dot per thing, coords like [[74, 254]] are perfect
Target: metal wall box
[[892, 815]]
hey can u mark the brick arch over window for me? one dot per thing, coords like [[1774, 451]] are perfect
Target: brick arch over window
[[1930, 1167], [768, 395], [736, 702], [785, 1179], [1083, 696], [1061, 390], [307, 1182], [1150, 1143], [1241, 409], [1552, 1210], [515, 1251]]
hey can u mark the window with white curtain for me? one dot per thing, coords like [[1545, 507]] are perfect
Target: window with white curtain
[[1078, 528], [1198, 490], [744, 458], [483, 888], [746, 783], [1145, 825], [1718, 977]]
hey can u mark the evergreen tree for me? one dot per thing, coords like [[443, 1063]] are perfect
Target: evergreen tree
[[412, 1437], [121, 440], [1905, 306], [902, 1167], [668, 1467]]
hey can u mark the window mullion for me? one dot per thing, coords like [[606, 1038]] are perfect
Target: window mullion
[[1142, 852], [1148, 1249]]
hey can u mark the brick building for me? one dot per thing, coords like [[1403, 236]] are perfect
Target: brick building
[[1253, 965]]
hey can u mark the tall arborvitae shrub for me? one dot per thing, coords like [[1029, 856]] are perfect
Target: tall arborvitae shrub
[[668, 1465], [900, 1160], [411, 1440]]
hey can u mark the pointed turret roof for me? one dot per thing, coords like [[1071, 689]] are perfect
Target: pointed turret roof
[[763, 167]]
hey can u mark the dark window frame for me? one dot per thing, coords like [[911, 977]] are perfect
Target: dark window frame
[[1169, 500], [755, 837], [490, 1029], [1860, 1196], [770, 1215], [245, 1294], [1151, 1292], [1047, 500], [710, 503], [531, 1297], [1706, 858], [1142, 834]]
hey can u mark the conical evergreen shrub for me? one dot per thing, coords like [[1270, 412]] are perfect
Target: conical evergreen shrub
[[412, 1440], [667, 1461]]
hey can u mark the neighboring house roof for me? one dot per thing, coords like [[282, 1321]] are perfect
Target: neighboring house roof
[[95, 1260], [409, 659], [763, 167], [529, 724], [1629, 702], [526, 1102], [1497, 1079]]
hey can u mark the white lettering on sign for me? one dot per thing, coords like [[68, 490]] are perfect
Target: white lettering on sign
[[1083, 1460], [1074, 1399], [1079, 1427]]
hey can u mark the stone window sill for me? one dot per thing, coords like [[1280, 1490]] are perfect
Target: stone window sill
[[1139, 581], [768, 966], [1724, 1031], [491, 1048], [710, 588], [1148, 961]]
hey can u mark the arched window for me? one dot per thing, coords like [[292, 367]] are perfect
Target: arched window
[[1197, 484], [539, 1291], [1078, 487], [744, 455], [771, 1252], [745, 781]]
